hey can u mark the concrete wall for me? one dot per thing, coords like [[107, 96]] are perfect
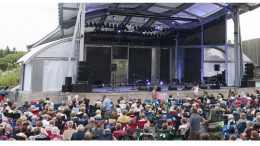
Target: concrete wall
[[57, 97]]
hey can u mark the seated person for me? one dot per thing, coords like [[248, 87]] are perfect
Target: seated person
[[128, 135], [146, 135], [132, 125], [142, 121], [106, 135], [119, 131]]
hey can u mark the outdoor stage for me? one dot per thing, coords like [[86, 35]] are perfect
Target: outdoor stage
[[126, 92]]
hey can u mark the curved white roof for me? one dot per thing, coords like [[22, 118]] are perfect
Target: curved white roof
[[37, 50]]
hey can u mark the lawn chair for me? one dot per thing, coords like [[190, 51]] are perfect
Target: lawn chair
[[162, 134]]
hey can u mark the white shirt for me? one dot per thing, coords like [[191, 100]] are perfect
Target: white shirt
[[196, 90]]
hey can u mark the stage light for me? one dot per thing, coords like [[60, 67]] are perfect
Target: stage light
[[103, 85], [161, 83], [158, 27], [118, 31], [173, 22], [114, 17], [148, 83]]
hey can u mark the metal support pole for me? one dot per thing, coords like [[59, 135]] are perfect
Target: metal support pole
[[237, 47], [226, 52], [176, 57], [202, 56]]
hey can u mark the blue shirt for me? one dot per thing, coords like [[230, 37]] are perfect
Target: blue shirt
[[106, 104]]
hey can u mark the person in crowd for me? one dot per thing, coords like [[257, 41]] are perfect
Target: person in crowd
[[196, 90], [55, 134], [79, 135], [107, 104], [194, 125], [82, 119], [146, 135], [69, 132]]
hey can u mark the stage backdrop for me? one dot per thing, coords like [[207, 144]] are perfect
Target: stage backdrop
[[192, 64], [139, 64], [164, 65]]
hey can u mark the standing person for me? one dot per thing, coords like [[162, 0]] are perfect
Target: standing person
[[194, 125], [107, 104], [196, 89], [154, 93]]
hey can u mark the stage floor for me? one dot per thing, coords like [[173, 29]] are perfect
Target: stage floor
[[135, 89]]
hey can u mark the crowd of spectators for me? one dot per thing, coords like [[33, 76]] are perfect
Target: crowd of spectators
[[203, 117]]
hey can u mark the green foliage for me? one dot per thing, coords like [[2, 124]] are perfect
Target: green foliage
[[10, 78], [9, 70]]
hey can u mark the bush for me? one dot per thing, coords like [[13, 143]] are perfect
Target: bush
[[10, 78]]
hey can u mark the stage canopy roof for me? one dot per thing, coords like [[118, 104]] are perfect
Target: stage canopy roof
[[131, 15]]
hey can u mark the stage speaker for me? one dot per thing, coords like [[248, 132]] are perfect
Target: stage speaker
[[216, 67], [151, 88], [142, 87], [83, 72], [188, 86], [81, 88], [204, 86], [249, 71], [68, 81], [214, 86], [66, 88], [247, 83], [113, 67], [172, 87]]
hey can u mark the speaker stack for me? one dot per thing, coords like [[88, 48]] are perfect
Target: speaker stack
[[68, 85], [249, 75], [249, 71], [83, 72]]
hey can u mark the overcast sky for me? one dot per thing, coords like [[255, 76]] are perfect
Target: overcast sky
[[23, 24]]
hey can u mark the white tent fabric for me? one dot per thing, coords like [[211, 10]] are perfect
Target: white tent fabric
[[53, 79], [57, 63], [27, 77]]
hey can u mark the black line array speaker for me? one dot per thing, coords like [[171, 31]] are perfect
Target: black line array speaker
[[216, 67], [172, 87]]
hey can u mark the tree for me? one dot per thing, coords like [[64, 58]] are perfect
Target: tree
[[7, 50], [14, 50], [1, 53]]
